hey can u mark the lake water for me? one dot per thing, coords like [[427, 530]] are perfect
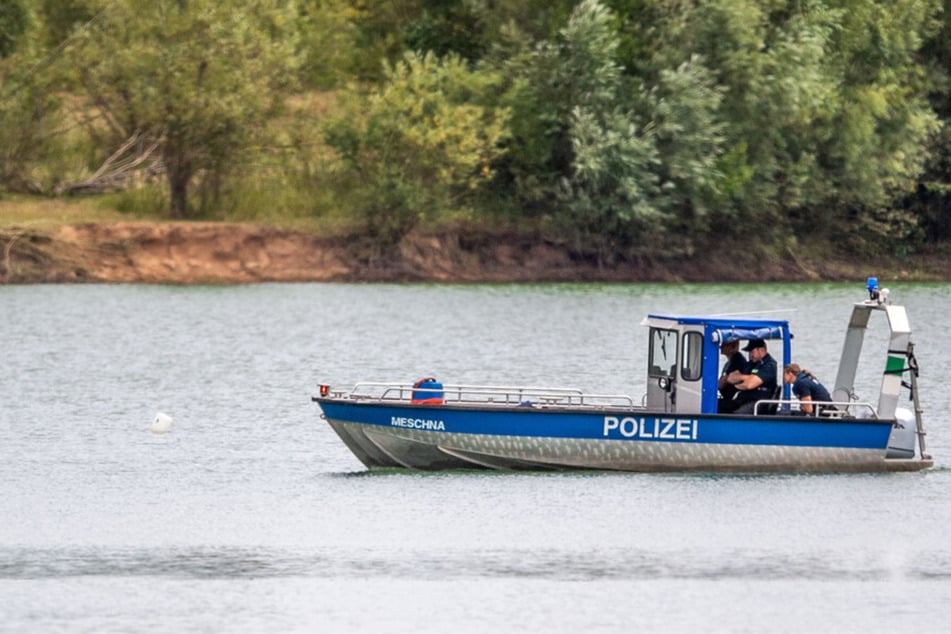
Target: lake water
[[251, 516]]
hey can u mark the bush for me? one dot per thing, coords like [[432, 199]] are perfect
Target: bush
[[419, 146]]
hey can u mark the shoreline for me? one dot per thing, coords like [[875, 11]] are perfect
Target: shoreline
[[237, 253]]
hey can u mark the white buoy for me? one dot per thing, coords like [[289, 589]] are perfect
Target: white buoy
[[161, 423]]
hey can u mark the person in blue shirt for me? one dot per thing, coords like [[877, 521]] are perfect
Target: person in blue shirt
[[807, 388], [734, 361], [757, 381]]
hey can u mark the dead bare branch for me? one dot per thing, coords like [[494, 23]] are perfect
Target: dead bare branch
[[117, 170]]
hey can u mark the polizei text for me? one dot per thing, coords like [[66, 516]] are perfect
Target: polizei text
[[651, 428], [418, 423]]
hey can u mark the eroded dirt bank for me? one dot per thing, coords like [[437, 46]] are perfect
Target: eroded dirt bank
[[221, 253]]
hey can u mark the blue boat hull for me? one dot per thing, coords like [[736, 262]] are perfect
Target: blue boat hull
[[460, 436]]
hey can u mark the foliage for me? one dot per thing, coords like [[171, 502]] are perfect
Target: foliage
[[689, 134], [31, 147], [329, 38], [931, 202], [14, 22], [610, 198], [447, 26], [20, 130], [199, 79], [610, 204], [62, 17], [625, 126], [885, 124], [419, 145], [550, 84], [617, 164], [825, 98]]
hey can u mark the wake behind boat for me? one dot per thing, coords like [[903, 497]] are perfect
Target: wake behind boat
[[675, 426]]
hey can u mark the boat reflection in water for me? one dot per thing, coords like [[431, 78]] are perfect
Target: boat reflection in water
[[675, 426]]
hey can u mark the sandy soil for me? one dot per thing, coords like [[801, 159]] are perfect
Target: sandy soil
[[221, 253]]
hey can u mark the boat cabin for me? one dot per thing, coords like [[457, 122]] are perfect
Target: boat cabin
[[683, 366]]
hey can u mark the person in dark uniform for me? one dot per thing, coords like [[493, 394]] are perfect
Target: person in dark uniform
[[807, 388], [735, 361], [757, 381]]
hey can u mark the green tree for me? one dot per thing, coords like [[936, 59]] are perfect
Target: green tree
[[62, 17], [378, 35], [885, 126], [447, 26], [932, 202], [27, 111], [14, 22], [329, 40], [550, 84], [685, 122], [420, 145], [614, 160], [29, 114], [197, 80], [728, 39], [827, 125], [610, 199], [788, 107]]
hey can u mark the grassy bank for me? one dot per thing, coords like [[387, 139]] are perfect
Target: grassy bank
[[35, 212], [41, 212]]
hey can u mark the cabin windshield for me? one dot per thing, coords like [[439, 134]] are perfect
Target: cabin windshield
[[663, 353]]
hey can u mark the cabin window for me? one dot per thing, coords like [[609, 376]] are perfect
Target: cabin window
[[663, 353], [692, 366]]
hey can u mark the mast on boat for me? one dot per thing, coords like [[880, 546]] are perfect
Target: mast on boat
[[900, 357]]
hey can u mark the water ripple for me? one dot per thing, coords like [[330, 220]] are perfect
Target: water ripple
[[194, 562], [554, 565]]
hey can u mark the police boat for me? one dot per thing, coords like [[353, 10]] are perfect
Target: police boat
[[675, 426]]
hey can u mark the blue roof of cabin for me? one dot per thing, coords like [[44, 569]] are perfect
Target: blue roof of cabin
[[723, 322], [732, 328]]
